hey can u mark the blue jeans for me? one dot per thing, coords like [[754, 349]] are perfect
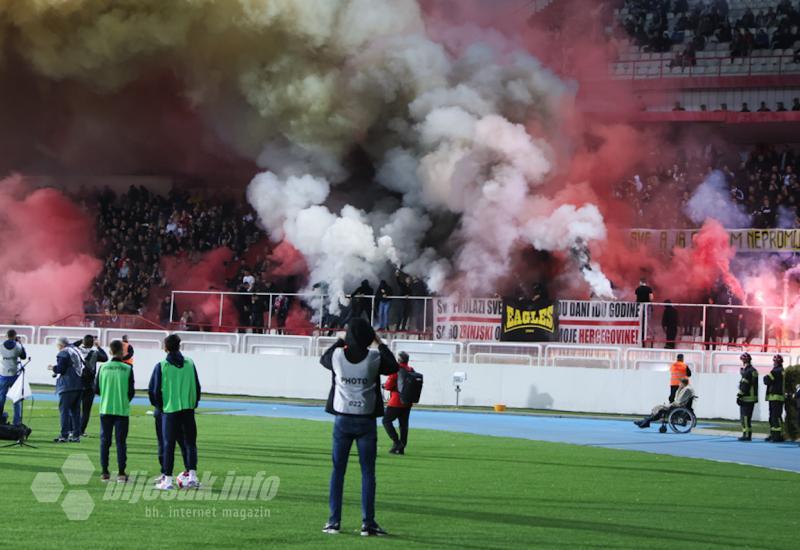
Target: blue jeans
[[346, 429], [383, 315], [69, 406], [5, 384]]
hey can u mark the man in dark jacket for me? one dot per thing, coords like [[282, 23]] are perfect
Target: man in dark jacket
[[361, 300], [776, 395], [669, 322], [174, 390], [396, 409], [747, 397], [92, 354], [355, 398], [69, 387]]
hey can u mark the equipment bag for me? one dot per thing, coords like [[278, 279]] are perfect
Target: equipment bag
[[9, 432], [409, 386]]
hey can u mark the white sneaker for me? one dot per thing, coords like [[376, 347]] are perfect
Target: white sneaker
[[165, 484]]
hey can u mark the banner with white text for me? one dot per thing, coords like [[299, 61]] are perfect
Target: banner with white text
[[578, 321], [743, 240]]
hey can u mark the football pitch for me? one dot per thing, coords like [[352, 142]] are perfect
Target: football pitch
[[267, 484]]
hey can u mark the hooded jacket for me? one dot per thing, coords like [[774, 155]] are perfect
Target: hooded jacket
[[154, 388], [10, 354], [91, 356], [355, 372], [69, 364]]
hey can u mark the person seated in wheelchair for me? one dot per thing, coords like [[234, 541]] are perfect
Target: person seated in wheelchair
[[683, 399]]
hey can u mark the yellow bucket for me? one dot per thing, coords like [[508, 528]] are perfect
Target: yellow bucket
[[499, 408]]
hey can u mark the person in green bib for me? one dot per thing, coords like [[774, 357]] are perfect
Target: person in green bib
[[114, 385], [175, 390]]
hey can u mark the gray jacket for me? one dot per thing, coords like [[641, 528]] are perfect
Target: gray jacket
[[11, 352]]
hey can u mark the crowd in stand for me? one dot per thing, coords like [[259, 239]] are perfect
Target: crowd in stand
[[763, 182], [651, 28], [136, 229]]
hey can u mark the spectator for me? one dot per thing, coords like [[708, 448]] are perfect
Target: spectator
[[763, 108], [678, 106], [669, 322], [780, 108], [745, 108], [403, 289], [796, 104], [361, 300], [384, 304]]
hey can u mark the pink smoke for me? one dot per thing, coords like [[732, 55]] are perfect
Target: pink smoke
[[47, 254]]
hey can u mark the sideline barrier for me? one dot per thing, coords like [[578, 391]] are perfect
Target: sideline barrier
[[728, 361], [49, 335], [507, 350], [654, 357], [277, 344], [431, 350], [582, 356], [209, 341], [139, 339], [26, 333]]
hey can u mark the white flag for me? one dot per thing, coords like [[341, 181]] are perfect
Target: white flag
[[19, 390]]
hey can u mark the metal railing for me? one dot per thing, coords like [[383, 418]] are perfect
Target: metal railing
[[412, 314], [718, 66]]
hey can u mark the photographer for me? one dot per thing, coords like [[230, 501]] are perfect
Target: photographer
[[69, 388], [11, 353], [92, 353], [355, 398]]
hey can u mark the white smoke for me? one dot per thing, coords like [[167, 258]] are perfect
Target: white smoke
[[712, 199]]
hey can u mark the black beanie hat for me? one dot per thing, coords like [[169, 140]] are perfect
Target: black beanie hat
[[360, 334]]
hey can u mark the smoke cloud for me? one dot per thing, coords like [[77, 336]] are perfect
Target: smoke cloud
[[47, 254]]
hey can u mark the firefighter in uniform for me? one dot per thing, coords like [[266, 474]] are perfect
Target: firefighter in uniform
[[677, 371], [776, 395], [747, 396]]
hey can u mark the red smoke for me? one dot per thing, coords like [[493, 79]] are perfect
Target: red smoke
[[46, 254], [206, 274]]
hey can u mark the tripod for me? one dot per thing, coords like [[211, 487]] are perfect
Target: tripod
[[21, 441]]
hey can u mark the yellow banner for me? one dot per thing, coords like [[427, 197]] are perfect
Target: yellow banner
[[743, 240]]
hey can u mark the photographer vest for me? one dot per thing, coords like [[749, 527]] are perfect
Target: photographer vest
[[9, 358], [355, 391]]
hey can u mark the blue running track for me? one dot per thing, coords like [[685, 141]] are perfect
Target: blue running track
[[609, 433]]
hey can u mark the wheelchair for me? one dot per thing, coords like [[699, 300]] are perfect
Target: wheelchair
[[681, 420]]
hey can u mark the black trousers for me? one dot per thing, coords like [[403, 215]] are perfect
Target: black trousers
[[87, 399], [672, 334], [160, 437], [776, 417], [672, 391], [746, 414], [401, 414], [119, 426], [175, 425]]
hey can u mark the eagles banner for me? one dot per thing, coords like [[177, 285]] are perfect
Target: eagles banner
[[528, 321]]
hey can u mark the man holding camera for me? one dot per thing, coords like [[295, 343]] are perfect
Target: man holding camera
[[91, 353], [396, 409], [11, 352], [69, 387], [356, 401]]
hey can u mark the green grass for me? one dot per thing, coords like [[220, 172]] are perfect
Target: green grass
[[451, 490]]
